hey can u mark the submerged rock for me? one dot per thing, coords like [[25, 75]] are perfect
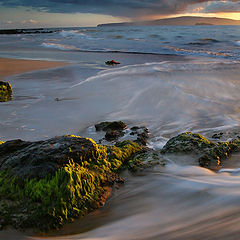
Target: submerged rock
[[47, 183], [217, 135], [117, 129], [142, 134], [113, 130], [209, 154], [5, 91]]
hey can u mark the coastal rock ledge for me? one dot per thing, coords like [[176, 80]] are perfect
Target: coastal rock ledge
[[48, 183]]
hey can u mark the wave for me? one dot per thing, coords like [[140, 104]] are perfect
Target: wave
[[71, 33], [202, 52], [58, 46]]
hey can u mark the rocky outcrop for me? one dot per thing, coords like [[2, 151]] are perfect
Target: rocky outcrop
[[47, 183], [5, 91], [117, 129], [27, 31], [210, 154]]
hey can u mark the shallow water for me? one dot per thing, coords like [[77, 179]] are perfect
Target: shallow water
[[169, 95], [172, 203]]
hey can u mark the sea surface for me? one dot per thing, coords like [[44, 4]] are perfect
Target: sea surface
[[171, 80]]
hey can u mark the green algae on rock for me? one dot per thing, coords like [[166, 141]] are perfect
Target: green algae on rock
[[147, 158], [209, 154], [187, 142], [48, 183], [5, 91]]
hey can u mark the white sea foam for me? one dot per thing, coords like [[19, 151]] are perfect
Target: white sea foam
[[72, 33], [58, 46]]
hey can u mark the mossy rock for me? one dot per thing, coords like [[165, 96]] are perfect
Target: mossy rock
[[48, 183], [145, 159], [187, 142], [209, 154], [5, 91]]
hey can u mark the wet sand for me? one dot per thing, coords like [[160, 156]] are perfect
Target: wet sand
[[10, 67]]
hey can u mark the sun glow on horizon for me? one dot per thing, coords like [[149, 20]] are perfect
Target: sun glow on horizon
[[233, 15]]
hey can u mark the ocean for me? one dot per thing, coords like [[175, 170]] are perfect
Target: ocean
[[171, 79], [210, 41]]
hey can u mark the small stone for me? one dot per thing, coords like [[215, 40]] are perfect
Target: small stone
[[112, 62]]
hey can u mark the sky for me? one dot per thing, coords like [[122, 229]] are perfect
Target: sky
[[82, 13]]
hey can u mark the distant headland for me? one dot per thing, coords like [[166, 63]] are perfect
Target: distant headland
[[185, 21]]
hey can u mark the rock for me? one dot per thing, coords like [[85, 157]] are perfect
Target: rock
[[112, 62], [5, 91], [47, 183], [147, 158], [142, 134], [187, 142], [27, 31], [112, 135], [217, 135], [209, 154], [113, 130], [105, 126], [120, 180]]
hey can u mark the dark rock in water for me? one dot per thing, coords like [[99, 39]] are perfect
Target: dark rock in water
[[209, 154], [217, 135], [112, 135], [47, 183], [115, 130], [5, 91], [112, 62], [120, 180], [142, 134], [105, 126]]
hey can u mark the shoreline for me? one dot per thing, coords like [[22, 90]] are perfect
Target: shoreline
[[11, 66]]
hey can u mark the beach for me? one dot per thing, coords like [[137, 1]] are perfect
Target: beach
[[9, 67], [166, 82]]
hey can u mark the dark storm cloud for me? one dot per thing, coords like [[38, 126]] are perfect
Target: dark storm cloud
[[220, 6], [128, 8]]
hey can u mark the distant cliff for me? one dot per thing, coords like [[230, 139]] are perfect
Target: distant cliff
[[185, 21]]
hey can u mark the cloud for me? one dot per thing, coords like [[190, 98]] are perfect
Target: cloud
[[124, 8], [222, 6]]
